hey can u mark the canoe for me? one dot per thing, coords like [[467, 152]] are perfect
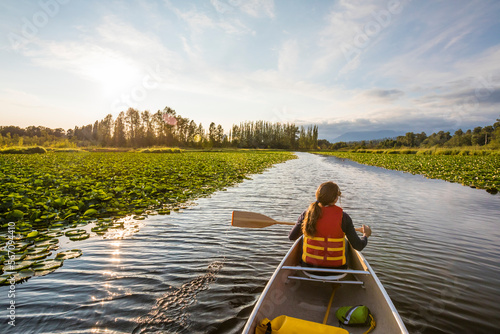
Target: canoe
[[293, 293]]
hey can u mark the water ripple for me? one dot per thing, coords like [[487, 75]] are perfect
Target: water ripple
[[434, 247]]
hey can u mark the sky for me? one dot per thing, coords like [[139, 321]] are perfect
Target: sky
[[344, 65]]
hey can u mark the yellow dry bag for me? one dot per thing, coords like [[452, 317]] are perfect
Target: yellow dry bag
[[289, 325]]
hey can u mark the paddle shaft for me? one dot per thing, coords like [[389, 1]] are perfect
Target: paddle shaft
[[258, 220]]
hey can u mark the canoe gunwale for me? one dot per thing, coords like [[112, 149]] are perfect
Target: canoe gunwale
[[266, 289], [394, 311]]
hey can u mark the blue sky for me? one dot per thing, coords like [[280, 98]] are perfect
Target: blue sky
[[344, 65]]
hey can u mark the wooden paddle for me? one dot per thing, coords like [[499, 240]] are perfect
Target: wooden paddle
[[257, 220], [253, 220]]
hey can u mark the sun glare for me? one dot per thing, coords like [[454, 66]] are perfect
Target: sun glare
[[114, 74]]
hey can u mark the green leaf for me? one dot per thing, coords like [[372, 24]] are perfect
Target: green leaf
[[47, 265], [32, 234], [90, 212], [80, 237], [38, 256], [16, 214], [70, 254], [20, 265], [72, 233]]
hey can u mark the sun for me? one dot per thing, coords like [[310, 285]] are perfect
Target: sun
[[114, 74]]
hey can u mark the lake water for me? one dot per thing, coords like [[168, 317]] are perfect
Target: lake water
[[435, 247]]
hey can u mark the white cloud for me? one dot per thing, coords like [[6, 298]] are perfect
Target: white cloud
[[115, 55], [214, 64], [338, 39], [199, 21], [256, 8], [288, 56]]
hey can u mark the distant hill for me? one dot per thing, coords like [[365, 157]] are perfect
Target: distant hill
[[366, 135]]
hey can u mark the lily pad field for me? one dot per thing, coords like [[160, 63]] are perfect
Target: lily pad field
[[47, 196], [476, 171]]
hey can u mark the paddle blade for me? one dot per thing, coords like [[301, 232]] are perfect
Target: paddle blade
[[253, 220]]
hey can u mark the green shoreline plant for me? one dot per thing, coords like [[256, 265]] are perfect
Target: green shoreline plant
[[472, 150], [476, 171]]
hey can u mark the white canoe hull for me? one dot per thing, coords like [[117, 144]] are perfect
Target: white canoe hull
[[309, 300]]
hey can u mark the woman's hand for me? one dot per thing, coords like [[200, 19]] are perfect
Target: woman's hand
[[367, 231]]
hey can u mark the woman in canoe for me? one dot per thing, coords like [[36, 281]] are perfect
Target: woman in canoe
[[324, 226]]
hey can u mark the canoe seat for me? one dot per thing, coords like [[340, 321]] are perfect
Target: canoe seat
[[337, 274], [325, 277]]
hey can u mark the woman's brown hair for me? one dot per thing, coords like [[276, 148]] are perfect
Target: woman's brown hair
[[326, 194]]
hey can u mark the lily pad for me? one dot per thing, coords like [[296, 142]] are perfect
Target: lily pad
[[23, 244], [73, 233], [80, 237], [56, 229], [19, 257], [20, 265], [53, 247], [37, 250], [99, 230], [19, 277], [70, 254], [24, 273], [54, 234], [90, 212], [44, 272], [42, 238], [32, 234], [47, 265], [38, 256], [47, 243]]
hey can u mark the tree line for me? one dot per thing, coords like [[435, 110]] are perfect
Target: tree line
[[135, 129], [479, 136], [262, 134]]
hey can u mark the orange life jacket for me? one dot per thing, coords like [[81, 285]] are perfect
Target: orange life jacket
[[327, 247]]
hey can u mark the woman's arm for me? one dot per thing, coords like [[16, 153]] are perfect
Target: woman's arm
[[348, 228], [296, 231]]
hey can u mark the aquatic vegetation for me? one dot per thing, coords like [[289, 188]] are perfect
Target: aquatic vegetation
[[46, 196], [23, 150], [477, 171], [70, 254]]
